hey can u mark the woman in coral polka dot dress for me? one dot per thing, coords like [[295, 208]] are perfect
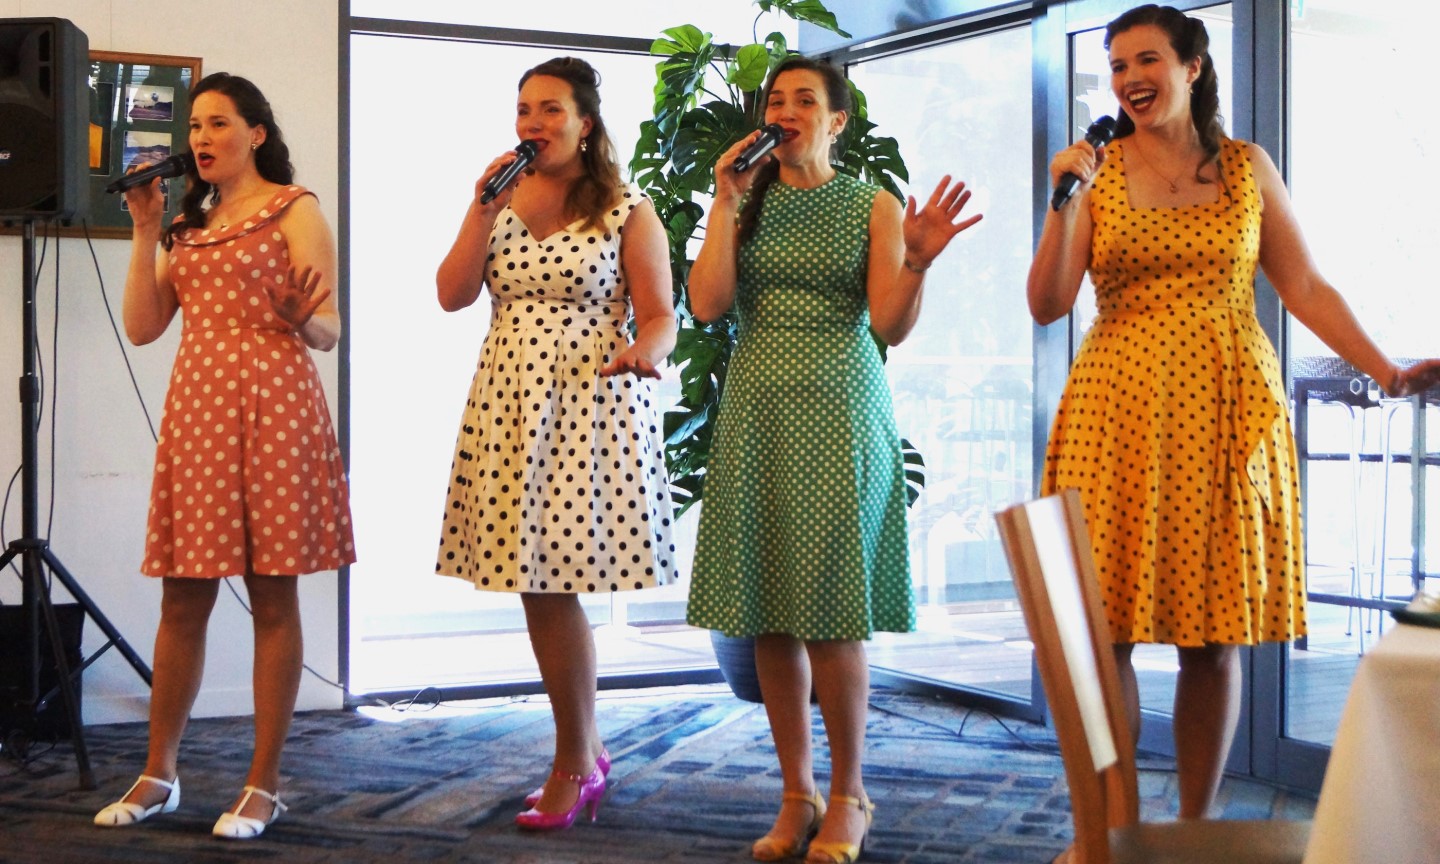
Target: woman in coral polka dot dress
[[558, 485], [248, 477], [1173, 424]]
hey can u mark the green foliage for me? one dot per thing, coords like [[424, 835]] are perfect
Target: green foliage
[[674, 162]]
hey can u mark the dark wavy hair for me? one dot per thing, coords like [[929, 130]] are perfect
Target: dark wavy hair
[[1190, 40], [272, 158], [837, 94], [595, 191]]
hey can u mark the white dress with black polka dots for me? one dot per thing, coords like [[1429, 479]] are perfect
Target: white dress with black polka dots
[[248, 476], [558, 484]]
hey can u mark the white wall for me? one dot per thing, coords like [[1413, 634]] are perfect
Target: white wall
[[103, 446]]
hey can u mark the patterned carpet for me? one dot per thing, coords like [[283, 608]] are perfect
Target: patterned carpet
[[694, 780]]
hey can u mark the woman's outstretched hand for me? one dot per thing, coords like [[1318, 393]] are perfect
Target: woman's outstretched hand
[[631, 361], [297, 298], [928, 231], [1416, 378]]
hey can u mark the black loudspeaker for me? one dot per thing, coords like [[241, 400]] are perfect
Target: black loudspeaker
[[44, 119], [16, 712]]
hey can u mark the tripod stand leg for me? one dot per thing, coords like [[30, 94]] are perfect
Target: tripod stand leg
[[31, 560], [96, 615]]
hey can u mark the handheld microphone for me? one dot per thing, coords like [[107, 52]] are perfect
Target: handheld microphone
[[1099, 134], [174, 166], [770, 137], [525, 153]]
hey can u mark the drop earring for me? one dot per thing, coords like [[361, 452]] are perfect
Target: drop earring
[[584, 146]]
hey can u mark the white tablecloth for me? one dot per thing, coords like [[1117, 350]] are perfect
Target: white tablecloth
[[1380, 801]]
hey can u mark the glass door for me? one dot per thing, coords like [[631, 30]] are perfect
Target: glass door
[[1365, 457], [962, 382]]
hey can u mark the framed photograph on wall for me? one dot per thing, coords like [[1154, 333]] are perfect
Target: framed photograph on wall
[[139, 113]]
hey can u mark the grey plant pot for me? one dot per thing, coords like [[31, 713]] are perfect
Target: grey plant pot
[[736, 657]]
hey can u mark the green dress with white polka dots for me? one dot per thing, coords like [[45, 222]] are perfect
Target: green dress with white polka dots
[[802, 529]]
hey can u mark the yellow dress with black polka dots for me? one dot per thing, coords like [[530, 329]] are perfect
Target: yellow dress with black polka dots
[[1174, 423]]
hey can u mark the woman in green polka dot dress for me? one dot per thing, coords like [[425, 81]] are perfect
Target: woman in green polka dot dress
[[802, 538], [1174, 423]]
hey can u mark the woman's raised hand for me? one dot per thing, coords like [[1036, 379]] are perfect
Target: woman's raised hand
[[729, 185], [499, 201], [297, 298], [928, 231], [1080, 159], [145, 203]]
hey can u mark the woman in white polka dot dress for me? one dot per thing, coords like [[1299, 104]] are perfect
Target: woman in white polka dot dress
[[802, 538], [248, 477], [558, 486]]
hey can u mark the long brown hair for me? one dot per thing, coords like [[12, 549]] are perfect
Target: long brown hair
[[595, 191], [1190, 40], [272, 157], [837, 93]]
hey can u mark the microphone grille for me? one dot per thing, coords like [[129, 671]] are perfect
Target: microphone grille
[[1102, 130]]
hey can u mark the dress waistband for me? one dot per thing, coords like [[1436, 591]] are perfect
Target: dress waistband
[[532, 314]]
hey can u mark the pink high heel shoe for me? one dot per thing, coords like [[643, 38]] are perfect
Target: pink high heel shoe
[[592, 789], [602, 762]]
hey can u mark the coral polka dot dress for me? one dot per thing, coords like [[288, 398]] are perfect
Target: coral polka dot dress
[[248, 476], [802, 529], [1174, 423], [558, 484]]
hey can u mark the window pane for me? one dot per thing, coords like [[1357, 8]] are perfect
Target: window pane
[[1371, 227], [736, 22], [962, 381]]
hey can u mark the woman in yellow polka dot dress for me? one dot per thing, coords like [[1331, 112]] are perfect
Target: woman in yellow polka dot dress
[[1173, 424], [802, 539], [248, 478]]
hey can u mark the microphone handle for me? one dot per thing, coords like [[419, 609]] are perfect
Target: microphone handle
[[770, 137], [1064, 190], [507, 175]]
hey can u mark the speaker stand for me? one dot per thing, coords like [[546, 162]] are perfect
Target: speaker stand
[[34, 551]]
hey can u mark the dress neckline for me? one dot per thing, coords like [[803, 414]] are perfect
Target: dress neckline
[[1125, 188]]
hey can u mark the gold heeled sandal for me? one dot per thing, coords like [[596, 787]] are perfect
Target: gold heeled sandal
[[772, 848], [840, 851]]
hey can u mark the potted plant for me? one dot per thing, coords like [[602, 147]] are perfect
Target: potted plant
[[674, 164]]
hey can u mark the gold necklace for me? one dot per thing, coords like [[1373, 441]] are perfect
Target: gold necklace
[[1173, 184]]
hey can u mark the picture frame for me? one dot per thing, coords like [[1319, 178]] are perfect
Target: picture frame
[[139, 112]]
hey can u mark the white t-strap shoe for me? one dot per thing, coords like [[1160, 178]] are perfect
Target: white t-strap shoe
[[236, 827], [122, 812]]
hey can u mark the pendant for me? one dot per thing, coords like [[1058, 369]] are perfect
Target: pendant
[[1173, 187]]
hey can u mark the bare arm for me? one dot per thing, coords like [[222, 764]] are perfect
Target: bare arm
[[713, 275], [902, 248], [312, 254], [1063, 253], [1310, 298], [150, 302], [645, 259]]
